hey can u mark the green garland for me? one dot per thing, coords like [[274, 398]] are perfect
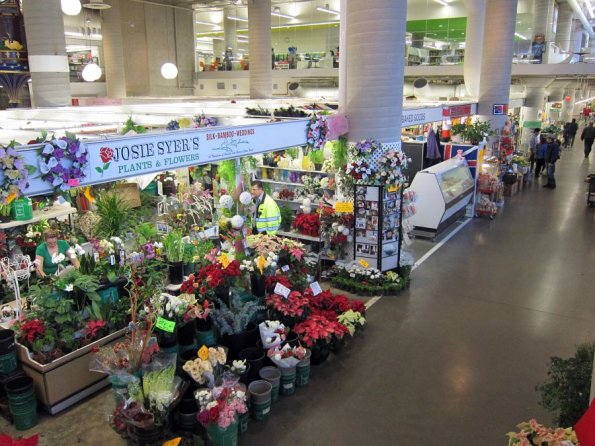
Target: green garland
[[340, 153], [227, 172]]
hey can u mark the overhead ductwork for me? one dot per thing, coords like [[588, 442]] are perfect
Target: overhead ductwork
[[579, 14]]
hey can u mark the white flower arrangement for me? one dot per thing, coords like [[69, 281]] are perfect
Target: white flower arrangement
[[226, 201], [245, 198], [237, 221], [327, 166], [58, 258], [78, 250]]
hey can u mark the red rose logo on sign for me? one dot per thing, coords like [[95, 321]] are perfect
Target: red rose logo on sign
[[106, 154]]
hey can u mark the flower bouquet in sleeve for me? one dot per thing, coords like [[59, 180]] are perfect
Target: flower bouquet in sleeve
[[272, 333], [287, 356]]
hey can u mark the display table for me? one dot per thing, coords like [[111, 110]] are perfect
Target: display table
[[52, 212]]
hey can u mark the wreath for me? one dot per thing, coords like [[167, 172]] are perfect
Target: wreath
[[16, 174], [64, 163], [317, 132], [366, 147], [390, 167]]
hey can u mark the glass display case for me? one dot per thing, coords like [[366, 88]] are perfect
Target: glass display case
[[455, 182]]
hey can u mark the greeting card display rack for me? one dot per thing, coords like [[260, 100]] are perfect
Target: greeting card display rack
[[378, 226]]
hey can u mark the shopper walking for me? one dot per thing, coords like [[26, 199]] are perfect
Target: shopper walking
[[540, 151], [552, 155], [573, 130], [588, 136], [533, 141]]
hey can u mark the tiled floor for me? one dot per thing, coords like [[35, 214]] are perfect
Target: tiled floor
[[456, 358]]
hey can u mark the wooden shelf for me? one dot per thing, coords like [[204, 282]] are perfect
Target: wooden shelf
[[40, 215]]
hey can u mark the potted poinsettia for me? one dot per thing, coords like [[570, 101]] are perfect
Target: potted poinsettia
[[317, 333], [289, 310]]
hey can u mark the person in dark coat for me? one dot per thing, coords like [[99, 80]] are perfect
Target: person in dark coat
[[540, 151], [552, 155], [588, 136]]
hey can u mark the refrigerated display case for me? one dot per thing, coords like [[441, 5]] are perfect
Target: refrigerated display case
[[443, 192]]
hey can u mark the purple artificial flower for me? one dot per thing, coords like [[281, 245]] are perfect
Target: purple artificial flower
[[59, 153], [60, 143], [48, 149], [19, 164], [57, 181], [11, 151], [2, 152]]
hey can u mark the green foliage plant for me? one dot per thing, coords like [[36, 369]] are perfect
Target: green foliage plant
[[114, 215]]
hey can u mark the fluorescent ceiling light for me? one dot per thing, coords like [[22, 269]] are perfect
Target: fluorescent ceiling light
[[328, 10], [584, 100], [520, 36], [285, 16], [442, 2], [590, 9], [200, 22], [238, 19]]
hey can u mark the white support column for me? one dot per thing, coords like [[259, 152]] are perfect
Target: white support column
[[113, 51], [259, 29], [496, 64], [543, 21], [343, 26], [564, 26], [473, 44], [46, 44], [374, 94], [230, 30]]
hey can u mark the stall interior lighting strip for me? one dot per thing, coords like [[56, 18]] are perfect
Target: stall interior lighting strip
[[237, 19], [199, 22], [442, 2], [328, 10], [520, 36], [279, 14]]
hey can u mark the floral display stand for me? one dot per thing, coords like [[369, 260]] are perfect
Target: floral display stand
[[67, 380]]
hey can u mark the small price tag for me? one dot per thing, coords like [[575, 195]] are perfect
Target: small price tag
[[96, 256], [343, 206], [285, 268], [173, 442], [165, 325], [315, 287], [73, 182], [363, 263], [112, 260], [265, 411], [282, 290]]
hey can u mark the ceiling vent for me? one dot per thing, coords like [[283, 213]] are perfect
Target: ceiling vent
[[96, 4]]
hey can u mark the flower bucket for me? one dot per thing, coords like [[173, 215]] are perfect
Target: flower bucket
[[319, 354], [186, 415], [109, 294], [176, 272], [6, 342], [243, 420], [258, 284], [168, 342], [235, 343], [147, 437], [272, 375], [287, 387], [22, 402], [255, 357], [223, 437], [260, 399], [120, 386], [186, 333], [302, 370], [207, 338]]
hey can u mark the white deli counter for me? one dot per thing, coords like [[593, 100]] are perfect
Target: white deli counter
[[442, 193]]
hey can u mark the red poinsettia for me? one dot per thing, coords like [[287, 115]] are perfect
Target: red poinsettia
[[295, 305], [338, 240], [317, 327], [93, 327], [30, 330], [210, 277], [272, 281], [307, 224]]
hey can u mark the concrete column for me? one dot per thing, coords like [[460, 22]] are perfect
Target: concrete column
[[48, 64], [259, 30], [113, 51], [576, 41], [543, 19], [374, 95], [474, 44], [343, 52], [564, 26], [496, 65], [229, 30]]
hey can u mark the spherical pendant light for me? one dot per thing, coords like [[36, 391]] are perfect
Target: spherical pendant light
[[71, 7], [91, 72], [169, 70]]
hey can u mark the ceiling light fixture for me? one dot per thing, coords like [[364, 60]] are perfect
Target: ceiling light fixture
[[520, 36], [277, 13], [71, 7], [96, 4], [91, 72], [169, 70], [327, 9], [442, 2], [237, 19]]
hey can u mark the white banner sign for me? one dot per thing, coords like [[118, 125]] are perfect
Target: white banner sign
[[421, 116]]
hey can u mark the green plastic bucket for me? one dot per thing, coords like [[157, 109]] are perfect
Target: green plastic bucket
[[26, 419], [288, 376], [185, 348], [8, 362], [206, 338], [243, 422], [109, 294], [260, 411], [223, 437], [302, 375], [22, 402]]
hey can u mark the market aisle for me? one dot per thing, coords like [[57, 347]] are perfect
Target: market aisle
[[455, 360]]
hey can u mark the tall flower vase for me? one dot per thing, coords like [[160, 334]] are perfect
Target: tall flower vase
[[258, 284], [223, 437], [176, 272], [222, 293]]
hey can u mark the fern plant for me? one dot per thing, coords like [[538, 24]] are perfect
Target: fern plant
[[234, 319]]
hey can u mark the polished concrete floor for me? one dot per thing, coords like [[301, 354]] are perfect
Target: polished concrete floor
[[456, 358]]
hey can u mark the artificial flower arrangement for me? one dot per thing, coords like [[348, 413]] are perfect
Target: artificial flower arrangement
[[366, 148], [286, 195], [312, 185], [272, 333], [531, 433], [356, 278], [391, 166], [15, 172], [33, 236], [360, 170], [307, 224], [317, 131], [64, 162]]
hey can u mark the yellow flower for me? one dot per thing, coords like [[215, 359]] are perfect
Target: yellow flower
[[261, 263], [203, 353]]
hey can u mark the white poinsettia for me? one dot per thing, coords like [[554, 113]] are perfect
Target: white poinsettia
[[245, 198], [237, 221]]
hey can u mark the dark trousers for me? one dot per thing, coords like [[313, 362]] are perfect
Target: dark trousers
[[539, 164], [588, 146]]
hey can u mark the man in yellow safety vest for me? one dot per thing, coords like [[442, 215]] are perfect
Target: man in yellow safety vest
[[267, 217]]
